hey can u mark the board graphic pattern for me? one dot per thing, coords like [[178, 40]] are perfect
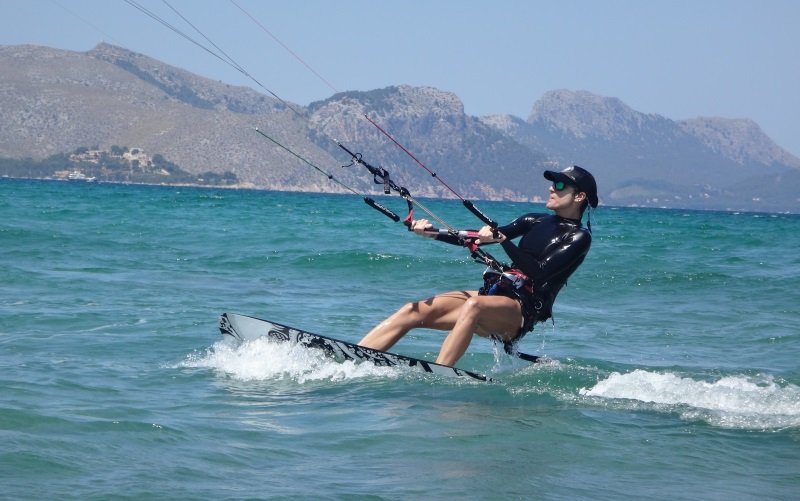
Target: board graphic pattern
[[246, 328]]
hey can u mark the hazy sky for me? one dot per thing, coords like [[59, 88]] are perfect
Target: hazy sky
[[678, 58]]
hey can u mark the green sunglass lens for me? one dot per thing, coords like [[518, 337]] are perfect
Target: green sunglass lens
[[559, 185]]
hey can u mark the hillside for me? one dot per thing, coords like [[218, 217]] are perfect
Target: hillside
[[54, 101]]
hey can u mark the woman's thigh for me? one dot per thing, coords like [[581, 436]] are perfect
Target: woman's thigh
[[441, 312], [498, 316]]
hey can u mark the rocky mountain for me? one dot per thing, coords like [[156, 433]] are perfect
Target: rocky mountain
[[474, 159], [54, 101], [650, 160]]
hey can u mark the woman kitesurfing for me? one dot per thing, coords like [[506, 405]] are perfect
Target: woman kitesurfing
[[512, 299]]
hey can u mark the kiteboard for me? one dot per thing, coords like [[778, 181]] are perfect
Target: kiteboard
[[246, 328]]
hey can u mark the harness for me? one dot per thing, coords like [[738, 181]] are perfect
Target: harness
[[512, 283], [509, 280]]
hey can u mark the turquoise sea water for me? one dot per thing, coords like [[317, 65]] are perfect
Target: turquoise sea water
[[676, 347]]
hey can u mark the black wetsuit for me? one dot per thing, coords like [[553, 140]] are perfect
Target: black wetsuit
[[550, 250]]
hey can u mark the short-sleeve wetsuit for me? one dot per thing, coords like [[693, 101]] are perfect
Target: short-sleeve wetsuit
[[550, 250]]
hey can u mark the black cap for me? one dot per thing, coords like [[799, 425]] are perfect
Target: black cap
[[579, 177]]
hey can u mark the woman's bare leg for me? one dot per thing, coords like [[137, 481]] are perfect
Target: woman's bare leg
[[439, 312], [483, 315]]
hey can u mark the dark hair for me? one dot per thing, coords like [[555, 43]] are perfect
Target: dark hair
[[584, 205]]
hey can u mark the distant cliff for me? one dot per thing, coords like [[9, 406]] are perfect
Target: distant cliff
[[54, 101], [650, 160]]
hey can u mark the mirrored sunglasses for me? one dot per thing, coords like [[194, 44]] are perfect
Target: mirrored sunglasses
[[559, 185]]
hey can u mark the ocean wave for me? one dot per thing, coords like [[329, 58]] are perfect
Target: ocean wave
[[735, 401]]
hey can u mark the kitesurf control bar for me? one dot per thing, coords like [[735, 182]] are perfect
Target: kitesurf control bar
[[468, 204], [369, 201], [467, 239], [382, 209], [483, 217], [381, 176]]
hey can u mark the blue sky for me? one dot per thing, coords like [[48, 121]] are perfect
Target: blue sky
[[679, 58]]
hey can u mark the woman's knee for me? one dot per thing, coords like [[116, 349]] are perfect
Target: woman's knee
[[473, 307]]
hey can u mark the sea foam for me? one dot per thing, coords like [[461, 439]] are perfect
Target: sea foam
[[731, 402], [262, 359]]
